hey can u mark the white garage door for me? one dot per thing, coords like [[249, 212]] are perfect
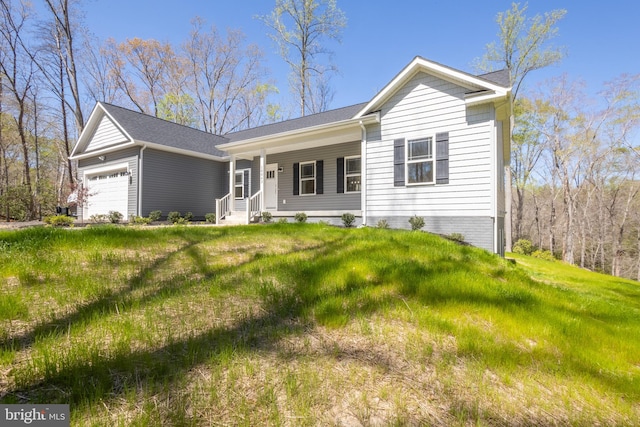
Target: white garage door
[[108, 191]]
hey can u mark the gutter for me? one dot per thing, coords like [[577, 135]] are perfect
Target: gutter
[[159, 147]]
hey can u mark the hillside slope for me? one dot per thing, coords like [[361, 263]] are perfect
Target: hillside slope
[[291, 324]]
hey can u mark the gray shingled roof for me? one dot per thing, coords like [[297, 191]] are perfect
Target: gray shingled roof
[[312, 120], [143, 127], [500, 78]]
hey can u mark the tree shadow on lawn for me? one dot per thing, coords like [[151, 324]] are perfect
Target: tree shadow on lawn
[[291, 308], [109, 301]]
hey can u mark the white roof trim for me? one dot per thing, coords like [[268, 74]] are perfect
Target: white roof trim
[[420, 64], [153, 145], [175, 150], [106, 150]]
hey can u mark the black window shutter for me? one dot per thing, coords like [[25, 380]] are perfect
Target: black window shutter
[[442, 158], [340, 177], [296, 179], [398, 162], [246, 183], [319, 177]]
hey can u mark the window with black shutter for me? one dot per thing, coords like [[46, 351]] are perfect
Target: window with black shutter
[[442, 158], [398, 162]]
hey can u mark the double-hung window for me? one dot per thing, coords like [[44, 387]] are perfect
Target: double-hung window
[[352, 174], [239, 185], [420, 161], [308, 178]]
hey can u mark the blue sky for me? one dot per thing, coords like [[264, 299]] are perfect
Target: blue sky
[[602, 39]]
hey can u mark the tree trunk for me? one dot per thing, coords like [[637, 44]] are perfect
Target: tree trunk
[[4, 158], [67, 57], [26, 160], [37, 154], [519, 212], [65, 127], [638, 273], [552, 223]]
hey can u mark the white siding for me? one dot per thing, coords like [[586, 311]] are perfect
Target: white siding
[[424, 106], [106, 134]]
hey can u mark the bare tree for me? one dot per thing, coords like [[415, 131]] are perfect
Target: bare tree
[[99, 82], [226, 78], [525, 153], [18, 72], [62, 11], [50, 58], [523, 46], [301, 29], [140, 70]]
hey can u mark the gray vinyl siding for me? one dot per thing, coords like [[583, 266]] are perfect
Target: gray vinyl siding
[[330, 200], [129, 156], [476, 230], [174, 182]]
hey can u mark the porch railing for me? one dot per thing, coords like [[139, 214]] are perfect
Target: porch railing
[[222, 207], [254, 206]]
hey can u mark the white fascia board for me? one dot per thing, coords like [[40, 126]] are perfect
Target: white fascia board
[[92, 123], [155, 146], [294, 136], [102, 151], [485, 97], [175, 150], [429, 67]]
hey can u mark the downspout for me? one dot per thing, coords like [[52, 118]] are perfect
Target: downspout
[[232, 183], [140, 162], [363, 172]]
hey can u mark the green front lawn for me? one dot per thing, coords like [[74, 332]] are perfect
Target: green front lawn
[[305, 324]]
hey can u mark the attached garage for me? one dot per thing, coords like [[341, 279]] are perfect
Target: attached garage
[[108, 191]]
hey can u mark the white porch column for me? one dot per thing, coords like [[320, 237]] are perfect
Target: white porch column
[[263, 167], [232, 182], [363, 174]]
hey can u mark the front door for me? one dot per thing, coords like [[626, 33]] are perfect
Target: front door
[[271, 187]]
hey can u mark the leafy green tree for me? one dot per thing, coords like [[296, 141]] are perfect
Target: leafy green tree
[[300, 29], [179, 109]]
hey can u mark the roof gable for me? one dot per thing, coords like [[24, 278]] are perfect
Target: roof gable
[[107, 133], [475, 84], [145, 128], [111, 128]]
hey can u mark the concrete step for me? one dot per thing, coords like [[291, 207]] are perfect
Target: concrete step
[[233, 220]]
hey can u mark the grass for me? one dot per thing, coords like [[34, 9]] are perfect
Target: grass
[[306, 324]]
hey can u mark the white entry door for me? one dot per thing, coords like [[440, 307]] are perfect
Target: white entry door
[[271, 186]]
